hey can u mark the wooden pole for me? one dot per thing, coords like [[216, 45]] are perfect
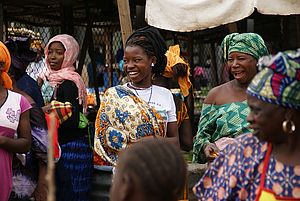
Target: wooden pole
[[125, 19], [51, 166]]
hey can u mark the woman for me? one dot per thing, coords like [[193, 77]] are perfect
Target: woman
[[225, 109], [136, 109], [152, 169], [264, 165], [14, 115], [29, 170], [74, 168], [176, 75]]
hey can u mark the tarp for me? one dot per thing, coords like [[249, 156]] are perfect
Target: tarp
[[191, 15]]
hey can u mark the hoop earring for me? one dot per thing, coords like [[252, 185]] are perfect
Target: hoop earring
[[288, 126]]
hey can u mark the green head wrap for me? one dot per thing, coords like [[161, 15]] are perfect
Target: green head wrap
[[249, 43]]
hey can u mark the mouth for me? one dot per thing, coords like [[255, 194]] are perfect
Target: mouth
[[132, 73], [238, 74]]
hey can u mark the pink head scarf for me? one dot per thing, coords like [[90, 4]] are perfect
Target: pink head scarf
[[67, 71]]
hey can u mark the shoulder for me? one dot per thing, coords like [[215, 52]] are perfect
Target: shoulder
[[216, 92], [162, 90]]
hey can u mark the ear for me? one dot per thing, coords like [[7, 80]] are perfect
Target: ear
[[154, 59], [126, 188]]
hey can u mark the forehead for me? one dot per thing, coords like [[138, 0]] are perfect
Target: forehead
[[239, 54], [56, 45], [134, 49]]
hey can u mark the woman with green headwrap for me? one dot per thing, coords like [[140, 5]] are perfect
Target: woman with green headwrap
[[265, 164], [225, 109]]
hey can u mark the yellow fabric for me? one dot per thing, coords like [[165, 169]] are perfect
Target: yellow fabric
[[173, 58], [5, 58], [268, 196]]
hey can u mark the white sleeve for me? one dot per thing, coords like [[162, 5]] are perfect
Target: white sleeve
[[172, 112]]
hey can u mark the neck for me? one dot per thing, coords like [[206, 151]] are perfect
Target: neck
[[240, 85], [138, 86], [288, 152]]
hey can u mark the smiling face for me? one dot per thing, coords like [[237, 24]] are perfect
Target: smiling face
[[242, 66], [137, 65], [55, 56], [266, 120]]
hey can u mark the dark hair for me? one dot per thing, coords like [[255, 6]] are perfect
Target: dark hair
[[153, 43], [159, 167]]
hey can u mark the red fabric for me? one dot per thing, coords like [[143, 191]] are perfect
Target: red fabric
[[55, 136]]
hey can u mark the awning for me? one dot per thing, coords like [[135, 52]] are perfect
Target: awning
[[191, 15]]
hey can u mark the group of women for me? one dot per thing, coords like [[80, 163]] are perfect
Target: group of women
[[248, 130]]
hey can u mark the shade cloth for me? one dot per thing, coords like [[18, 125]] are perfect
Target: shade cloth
[[191, 15]]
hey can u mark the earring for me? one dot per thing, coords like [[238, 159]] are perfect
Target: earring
[[152, 64], [288, 126]]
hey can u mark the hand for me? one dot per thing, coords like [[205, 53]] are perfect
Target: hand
[[41, 191], [211, 151], [46, 108]]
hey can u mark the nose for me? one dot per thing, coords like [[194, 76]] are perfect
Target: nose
[[250, 118]]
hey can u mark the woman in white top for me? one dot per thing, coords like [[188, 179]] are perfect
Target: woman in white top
[[136, 109]]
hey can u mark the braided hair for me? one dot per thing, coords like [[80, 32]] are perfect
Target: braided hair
[[153, 43], [159, 167]]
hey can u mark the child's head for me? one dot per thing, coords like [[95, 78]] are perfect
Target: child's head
[[152, 169]]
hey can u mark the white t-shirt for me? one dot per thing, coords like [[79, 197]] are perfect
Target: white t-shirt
[[160, 98]]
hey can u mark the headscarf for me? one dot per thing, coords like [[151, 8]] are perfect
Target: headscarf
[[249, 43], [173, 58], [67, 71], [278, 81], [21, 55], [5, 57]]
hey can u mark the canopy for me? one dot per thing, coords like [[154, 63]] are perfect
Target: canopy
[[191, 15]]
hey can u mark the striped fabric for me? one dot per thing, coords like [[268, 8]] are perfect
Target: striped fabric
[[278, 81]]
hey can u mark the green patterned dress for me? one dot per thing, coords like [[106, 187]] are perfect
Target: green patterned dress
[[218, 121]]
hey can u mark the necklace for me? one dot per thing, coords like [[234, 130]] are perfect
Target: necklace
[[149, 96], [130, 85]]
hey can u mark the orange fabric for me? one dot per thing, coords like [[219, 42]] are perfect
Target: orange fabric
[[173, 58], [5, 58]]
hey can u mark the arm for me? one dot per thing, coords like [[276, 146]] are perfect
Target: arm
[[172, 133], [41, 191], [23, 142], [206, 127], [186, 135]]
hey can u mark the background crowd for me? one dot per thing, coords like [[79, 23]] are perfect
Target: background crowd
[[248, 132]]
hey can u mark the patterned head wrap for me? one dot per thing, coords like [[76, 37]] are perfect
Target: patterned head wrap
[[278, 81], [6, 60], [67, 71], [173, 58], [249, 43]]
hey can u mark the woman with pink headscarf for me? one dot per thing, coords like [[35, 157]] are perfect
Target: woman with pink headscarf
[[14, 115], [74, 168]]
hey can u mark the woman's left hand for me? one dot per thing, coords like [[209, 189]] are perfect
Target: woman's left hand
[[41, 191]]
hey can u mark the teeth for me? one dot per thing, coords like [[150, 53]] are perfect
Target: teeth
[[132, 73]]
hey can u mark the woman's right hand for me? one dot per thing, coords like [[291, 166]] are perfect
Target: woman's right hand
[[211, 151]]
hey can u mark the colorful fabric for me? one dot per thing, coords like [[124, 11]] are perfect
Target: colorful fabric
[[278, 81], [249, 43], [26, 173], [74, 171], [123, 119], [219, 121], [236, 173], [5, 61], [173, 58], [67, 71], [10, 113], [62, 111], [182, 114]]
